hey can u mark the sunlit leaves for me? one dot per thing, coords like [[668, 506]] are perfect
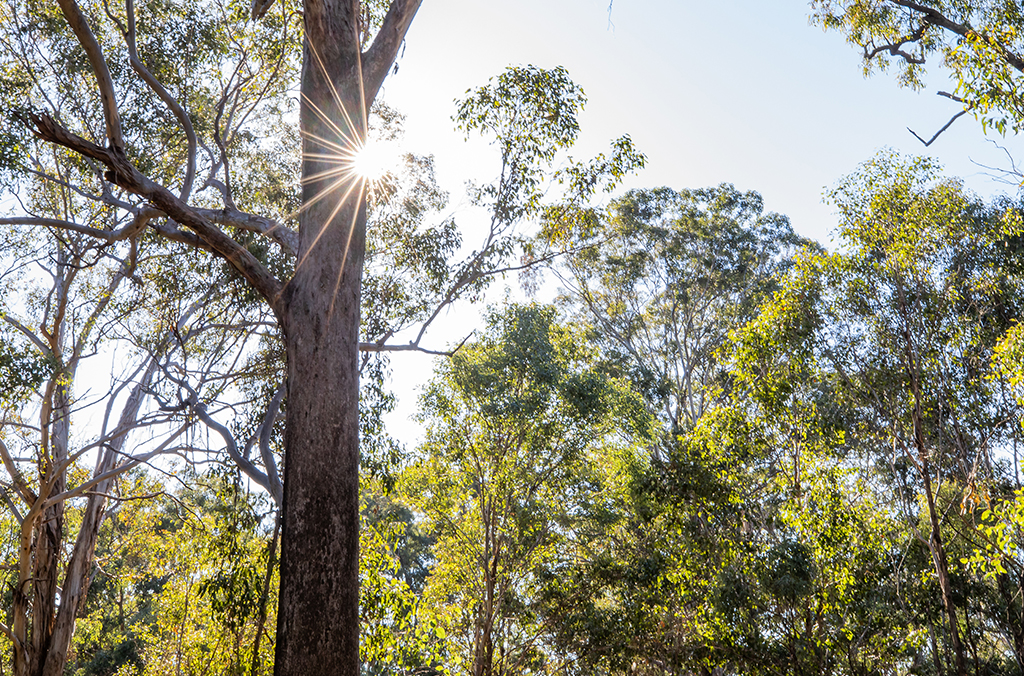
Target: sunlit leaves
[[519, 422], [531, 114], [980, 43]]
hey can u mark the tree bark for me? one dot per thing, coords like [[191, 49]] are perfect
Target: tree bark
[[318, 609]]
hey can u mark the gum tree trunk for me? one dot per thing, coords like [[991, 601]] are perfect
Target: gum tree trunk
[[318, 607], [318, 611]]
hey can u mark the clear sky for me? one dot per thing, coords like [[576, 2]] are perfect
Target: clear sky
[[738, 91]]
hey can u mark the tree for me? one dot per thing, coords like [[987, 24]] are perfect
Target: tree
[[519, 421], [60, 484], [904, 322], [666, 276], [661, 279], [318, 307], [979, 42], [204, 90]]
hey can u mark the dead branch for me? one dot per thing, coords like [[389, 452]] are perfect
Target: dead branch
[[939, 132], [895, 48]]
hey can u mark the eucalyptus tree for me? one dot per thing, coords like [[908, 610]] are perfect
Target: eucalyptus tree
[[519, 424], [661, 278], [68, 299], [666, 276], [978, 42], [177, 121], [903, 322]]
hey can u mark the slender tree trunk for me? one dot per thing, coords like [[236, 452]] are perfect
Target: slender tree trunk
[[265, 596], [50, 527], [935, 545], [939, 668], [938, 552], [318, 611], [77, 574], [1014, 617]]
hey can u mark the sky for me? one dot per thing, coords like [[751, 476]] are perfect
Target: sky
[[735, 91]]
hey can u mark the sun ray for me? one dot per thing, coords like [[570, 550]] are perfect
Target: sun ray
[[335, 172], [350, 165], [334, 92], [337, 147], [324, 192], [345, 136], [348, 245], [327, 224]]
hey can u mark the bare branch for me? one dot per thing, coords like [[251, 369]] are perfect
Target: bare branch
[[132, 462], [170, 231], [381, 55], [6, 495], [129, 230], [287, 238], [276, 487], [169, 101], [28, 333], [126, 270], [895, 48], [18, 479], [936, 134], [128, 177], [76, 19], [1012, 176], [199, 409], [411, 347]]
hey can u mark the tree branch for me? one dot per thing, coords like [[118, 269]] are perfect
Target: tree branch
[[27, 332], [169, 101], [131, 229], [411, 347], [287, 238], [895, 48], [377, 60], [936, 134], [244, 464], [17, 478], [76, 19], [937, 18], [276, 488], [132, 462], [128, 177]]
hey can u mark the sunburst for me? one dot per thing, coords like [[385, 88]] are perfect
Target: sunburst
[[376, 161], [353, 167]]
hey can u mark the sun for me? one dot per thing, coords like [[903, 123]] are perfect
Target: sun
[[375, 160]]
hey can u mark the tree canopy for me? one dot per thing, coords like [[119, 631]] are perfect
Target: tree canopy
[[720, 448]]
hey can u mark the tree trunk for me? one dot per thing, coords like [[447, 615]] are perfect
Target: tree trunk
[[77, 573], [318, 611], [935, 545], [1014, 618], [938, 552], [265, 597]]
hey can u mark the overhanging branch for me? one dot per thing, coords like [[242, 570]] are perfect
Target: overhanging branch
[[123, 173]]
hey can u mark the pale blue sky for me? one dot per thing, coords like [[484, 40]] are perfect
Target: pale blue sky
[[740, 91], [743, 91]]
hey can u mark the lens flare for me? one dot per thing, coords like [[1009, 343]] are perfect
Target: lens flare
[[375, 160], [351, 171]]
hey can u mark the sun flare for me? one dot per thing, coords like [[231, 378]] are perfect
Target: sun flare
[[375, 160]]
